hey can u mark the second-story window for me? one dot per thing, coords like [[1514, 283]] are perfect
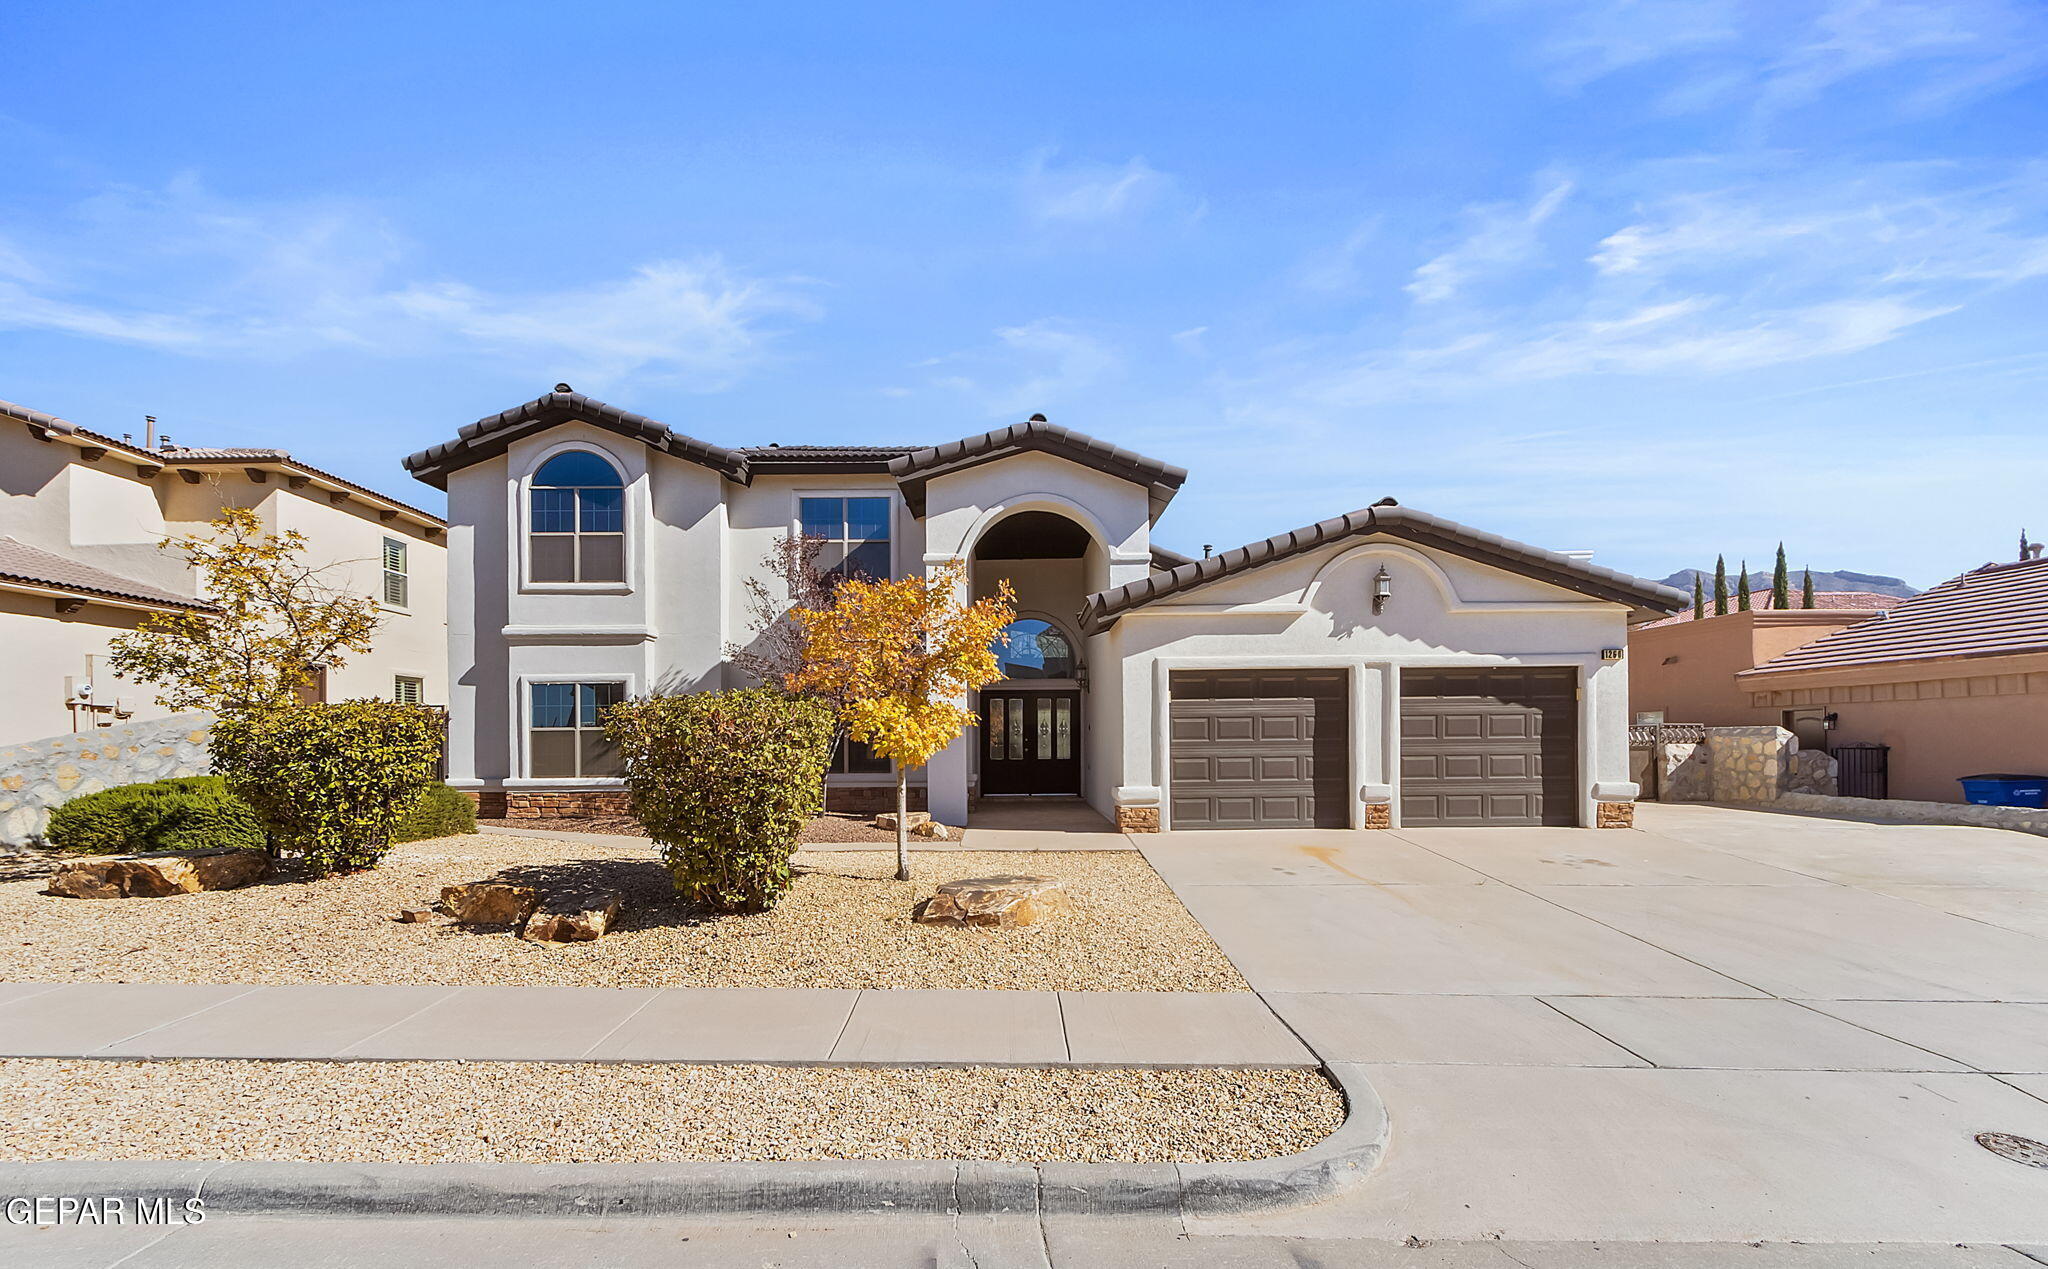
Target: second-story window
[[855, 532], [397, 584], [578, 525]]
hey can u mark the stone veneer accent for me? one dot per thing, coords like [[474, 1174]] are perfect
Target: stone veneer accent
[[1683, 772], [41, 775], [1137, 819], [1614, 815], [1379, 815], [1813, 771], [2023, 818], [564, 804], [1751, 764]]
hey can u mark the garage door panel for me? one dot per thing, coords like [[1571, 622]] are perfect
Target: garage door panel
[[1489, 747], [1265, 749]]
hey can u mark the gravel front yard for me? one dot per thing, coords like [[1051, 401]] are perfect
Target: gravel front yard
[[435, 1112], [845, 923], [831, 827]]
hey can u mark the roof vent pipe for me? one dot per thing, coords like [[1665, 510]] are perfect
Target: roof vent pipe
[[1208, 548]]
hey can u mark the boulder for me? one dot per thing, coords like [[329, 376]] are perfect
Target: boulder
[[931, 829], [887, 819], [1003, 902], [413, 916], [489, 902], [573, 916], [159, 873]]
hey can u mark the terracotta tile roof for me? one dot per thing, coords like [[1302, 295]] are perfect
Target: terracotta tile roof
[[1386, 518], [20, 562], [1998, 610], [1839, 600], [912, 470], [199, 457]]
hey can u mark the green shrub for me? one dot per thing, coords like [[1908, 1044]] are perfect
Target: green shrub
[[440, 812], [330, 780], [193, 813], [725, 782]]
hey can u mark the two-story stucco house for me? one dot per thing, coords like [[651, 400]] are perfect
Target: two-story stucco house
[[1385, 667], [81, 517]]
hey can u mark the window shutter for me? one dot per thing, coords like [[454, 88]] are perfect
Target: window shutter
[[397, 590]]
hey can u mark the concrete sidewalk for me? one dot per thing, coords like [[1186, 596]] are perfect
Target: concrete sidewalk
[[589, 1024]]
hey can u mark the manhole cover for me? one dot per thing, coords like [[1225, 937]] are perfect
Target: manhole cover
[[2019, 1149]]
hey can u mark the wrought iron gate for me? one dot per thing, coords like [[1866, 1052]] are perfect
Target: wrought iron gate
[[1861, 769]]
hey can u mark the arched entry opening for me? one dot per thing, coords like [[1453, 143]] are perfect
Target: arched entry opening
[[1032, 734]]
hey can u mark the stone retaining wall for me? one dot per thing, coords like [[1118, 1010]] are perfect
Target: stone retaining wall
[[1741, 764], [2025, 819], [42, 775]]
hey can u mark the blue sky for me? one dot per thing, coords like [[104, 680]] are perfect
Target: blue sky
[[1659, 279]]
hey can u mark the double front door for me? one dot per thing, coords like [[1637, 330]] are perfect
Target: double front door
[[1030, 741]]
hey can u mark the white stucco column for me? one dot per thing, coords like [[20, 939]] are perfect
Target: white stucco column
[[946, 775]]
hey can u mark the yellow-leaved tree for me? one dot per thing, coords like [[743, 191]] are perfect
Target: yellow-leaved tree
[[900, 655], [276, 621]]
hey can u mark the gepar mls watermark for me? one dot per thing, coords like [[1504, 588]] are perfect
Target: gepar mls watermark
[[104, 1209]]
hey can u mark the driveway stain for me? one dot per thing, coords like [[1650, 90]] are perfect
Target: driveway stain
[[1327, 857]]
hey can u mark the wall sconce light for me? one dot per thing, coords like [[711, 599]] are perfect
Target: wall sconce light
[[1382, 590], [1829, 721]]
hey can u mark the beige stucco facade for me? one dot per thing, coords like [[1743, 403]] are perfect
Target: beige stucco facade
[[107, 505], [1686, 670], [1942, 718]]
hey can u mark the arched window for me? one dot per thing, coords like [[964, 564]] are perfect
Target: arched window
[[578, 524], [1036, 650]]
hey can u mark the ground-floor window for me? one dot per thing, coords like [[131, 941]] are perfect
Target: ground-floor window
[[854, 758], [408, 690], [566, 729]]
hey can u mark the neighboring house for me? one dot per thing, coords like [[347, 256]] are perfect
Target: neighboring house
[[1384, 667], [1954, 681], [1682, 670], [80, 518]]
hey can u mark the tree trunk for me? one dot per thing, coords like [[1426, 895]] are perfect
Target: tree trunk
[[902, 823]]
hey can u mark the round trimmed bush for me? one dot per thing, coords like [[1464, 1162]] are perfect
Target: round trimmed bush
[[724, 782], [440, 812], [330, 780], [193, 813]]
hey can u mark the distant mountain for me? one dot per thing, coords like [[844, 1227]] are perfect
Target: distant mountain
[[1840, 579]]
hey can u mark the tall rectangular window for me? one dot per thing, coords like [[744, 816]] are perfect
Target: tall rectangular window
[[855, 532], [566, 729], [854, 758], [397, 584], [407, 690]]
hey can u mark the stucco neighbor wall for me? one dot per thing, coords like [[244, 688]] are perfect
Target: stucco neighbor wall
[[1942, 720], [38, 777], [1698, 685]]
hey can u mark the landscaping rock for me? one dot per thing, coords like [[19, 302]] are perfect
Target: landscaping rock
[[574, 916], [159, 873], [933, 830], [489, 902], [887, 819], [412, 916], [1002, 902]]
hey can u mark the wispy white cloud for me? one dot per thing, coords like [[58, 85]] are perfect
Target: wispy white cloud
[[1499, 236], [1036, 366], [1768, 56], [180, 270], [1085, 193]]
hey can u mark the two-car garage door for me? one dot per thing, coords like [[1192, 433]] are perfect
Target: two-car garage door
[[1495, 746], [1271, 749]]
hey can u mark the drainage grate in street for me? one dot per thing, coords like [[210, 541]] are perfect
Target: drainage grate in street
[[2019, 1149]]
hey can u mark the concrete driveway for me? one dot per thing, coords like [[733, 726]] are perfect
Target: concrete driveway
[[1723, 1025]]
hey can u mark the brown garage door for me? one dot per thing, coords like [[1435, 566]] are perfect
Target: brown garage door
[[1259, 749], [1489, 747]]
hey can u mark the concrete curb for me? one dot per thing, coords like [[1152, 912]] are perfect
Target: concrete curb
[[961, 1187]]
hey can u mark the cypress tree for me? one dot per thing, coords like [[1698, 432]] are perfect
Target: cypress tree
[[1806, 589], [1781, 583], [1720, 585], [1742, 595], [1699, 596]]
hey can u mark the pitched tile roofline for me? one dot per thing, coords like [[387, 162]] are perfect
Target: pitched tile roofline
[[494, 434], [912, 471], [31, 568], [1102, 609], [1997, 610]]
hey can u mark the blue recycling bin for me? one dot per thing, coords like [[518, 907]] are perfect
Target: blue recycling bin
[[2006, 789]]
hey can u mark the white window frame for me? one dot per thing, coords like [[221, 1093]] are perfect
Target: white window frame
[[386, 572], [885, 493], [628, 523], [522, 709]]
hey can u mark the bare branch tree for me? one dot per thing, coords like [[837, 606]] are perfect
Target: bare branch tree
[[789, 579]]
